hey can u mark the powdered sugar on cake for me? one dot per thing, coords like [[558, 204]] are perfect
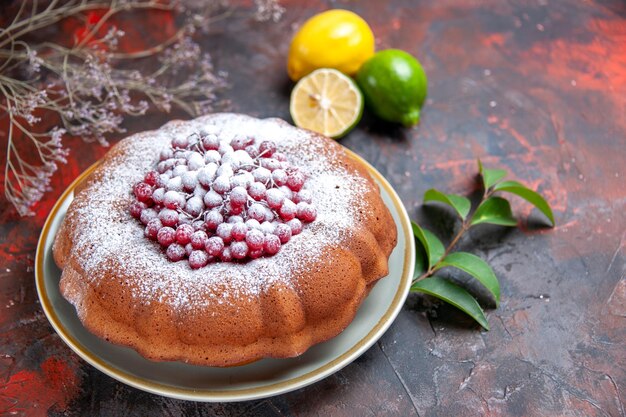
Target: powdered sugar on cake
[[106, 231]]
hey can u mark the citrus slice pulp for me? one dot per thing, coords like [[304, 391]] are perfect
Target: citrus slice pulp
[[327, 102]]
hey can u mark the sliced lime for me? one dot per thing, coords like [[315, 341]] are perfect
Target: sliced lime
[[326, 101]]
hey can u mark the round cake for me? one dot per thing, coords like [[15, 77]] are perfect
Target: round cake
[[223, 240]]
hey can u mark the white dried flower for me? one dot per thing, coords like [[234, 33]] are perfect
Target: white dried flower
[[268, 10]]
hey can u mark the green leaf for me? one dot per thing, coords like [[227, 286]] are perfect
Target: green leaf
[[460, 204], [477, 268], [490, 176], [452, 294], [432, 245], [494, 210], [527, 194], [421, 261]]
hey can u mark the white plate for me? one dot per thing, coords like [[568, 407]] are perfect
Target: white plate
[[260, 379]]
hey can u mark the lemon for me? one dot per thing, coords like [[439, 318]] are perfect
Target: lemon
[[336, 38], [394, 85], [327, 102]]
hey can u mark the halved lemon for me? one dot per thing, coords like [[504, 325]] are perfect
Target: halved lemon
[[327, 102]]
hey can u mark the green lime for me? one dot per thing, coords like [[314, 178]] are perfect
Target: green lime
[[394, 85]]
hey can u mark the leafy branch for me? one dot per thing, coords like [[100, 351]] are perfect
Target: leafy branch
[[492, 209]]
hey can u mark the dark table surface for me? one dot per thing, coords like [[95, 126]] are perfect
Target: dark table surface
[[535, 87]]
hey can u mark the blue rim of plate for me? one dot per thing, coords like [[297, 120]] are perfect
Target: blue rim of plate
[[243, 394]]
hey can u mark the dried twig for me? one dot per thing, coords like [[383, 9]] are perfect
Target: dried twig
[[83, 85]]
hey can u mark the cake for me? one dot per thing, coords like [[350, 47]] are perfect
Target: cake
[[197, 303]]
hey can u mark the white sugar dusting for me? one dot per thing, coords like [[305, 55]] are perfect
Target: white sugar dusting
[[107, 235]]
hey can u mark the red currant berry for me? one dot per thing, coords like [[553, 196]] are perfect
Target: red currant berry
[[166, 236], [212, 199], [271, 244], [255, 239], [168, 217], [242, 179], [189, 180], [224, 231], [239, 231], [269, 214], [286, 191], [165, 166], [207, 174], [195, 161], [152, 229], [222, 184], [271, 163], [185, 220], [275, 198], [257, 212], [296, 226], [183, 233], [212, 157], [267, 227], [143, 192], [239, 250], [279, 176], [233, 209], [303, 196], [288, 210], [180, 142], [157, 195], [283, 232], [262, 175], [257, 191], [267, 148], [295, 180], [213, 219], [253, 224], [226, 255], [175, 184], [151, 178], [306, 212], [173, 200], [194, 206], [166, 154], [241, 142], [175, 252], [214, 246], [243, 159], [148, 215], [198, 239], [226, 169], [198, 259], [136, 208], [199, 192], [211, 142], [225, 148], [238, 196], [198, 225]]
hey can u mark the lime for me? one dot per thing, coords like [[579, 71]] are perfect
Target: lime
[[336, 38], [326, 101], [394, 85]]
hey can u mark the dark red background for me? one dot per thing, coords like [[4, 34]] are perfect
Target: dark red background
[[535, 87]]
